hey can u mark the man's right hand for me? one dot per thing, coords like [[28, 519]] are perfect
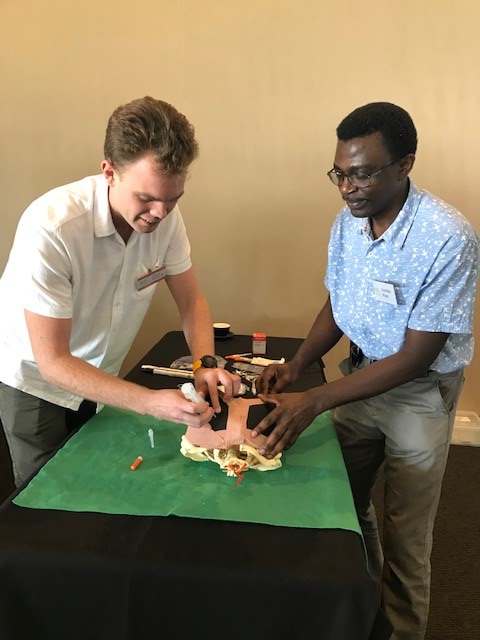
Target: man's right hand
[[171, 404], [276, 377], [50, 340]]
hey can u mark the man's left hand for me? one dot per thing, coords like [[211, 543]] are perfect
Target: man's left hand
[[207, 380], [293, 413]]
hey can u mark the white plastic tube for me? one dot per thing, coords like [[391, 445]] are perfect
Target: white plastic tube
[[190, 392]]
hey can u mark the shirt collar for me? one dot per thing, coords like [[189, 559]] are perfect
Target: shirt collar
[[102, 218], [398, 231]]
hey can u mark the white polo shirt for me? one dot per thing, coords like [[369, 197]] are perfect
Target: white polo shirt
[[68, 261]]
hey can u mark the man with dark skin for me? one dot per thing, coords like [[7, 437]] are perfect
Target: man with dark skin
[[402, 277]]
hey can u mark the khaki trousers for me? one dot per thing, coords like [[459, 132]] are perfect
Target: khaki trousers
[[408, 431]]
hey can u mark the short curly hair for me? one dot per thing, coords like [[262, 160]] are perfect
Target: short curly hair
[[147, 125], [393, 122]]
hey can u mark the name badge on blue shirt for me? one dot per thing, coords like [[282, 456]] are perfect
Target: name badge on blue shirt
[[384, 292]]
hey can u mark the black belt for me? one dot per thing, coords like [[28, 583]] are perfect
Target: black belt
[[357, 357]]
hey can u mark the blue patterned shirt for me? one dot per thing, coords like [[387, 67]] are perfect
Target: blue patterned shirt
[[428, 258]]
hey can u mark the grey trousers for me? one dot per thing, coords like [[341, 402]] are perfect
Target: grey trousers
[[34, 428], [408, 431]]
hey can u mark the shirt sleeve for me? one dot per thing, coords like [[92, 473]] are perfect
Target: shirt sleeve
[[47, 280], [446, 300]]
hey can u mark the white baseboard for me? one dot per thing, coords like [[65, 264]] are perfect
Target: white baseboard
[[466, 430]]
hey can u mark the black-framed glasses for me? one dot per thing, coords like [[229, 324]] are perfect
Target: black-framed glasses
[[360, 180]]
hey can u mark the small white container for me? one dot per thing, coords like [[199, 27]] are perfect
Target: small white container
[[259, 343]]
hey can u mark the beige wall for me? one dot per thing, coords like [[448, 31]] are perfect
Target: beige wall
[[265, 83]]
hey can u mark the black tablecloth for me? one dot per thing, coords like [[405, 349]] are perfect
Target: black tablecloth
[[89, 576]]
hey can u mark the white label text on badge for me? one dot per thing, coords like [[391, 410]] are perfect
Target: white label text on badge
[[151, 277], [384, 292]]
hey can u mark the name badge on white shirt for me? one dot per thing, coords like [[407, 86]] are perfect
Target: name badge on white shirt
[[153, 276], [384, 292]]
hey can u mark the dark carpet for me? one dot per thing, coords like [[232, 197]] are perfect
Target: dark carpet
[[454, 612], [454, 609]]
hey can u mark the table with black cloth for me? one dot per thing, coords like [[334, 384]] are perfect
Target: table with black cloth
[[105, 576]]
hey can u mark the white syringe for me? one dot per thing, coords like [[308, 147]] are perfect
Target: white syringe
[[190, 392]]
